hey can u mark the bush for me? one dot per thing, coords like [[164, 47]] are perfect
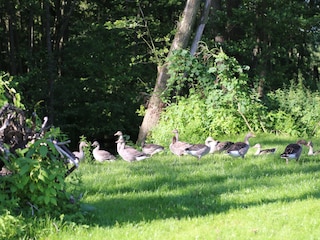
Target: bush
[[212, 98], [295, 111], [37, 184]]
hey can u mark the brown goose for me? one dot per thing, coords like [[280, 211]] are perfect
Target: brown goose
[[239, 149], [198, 150], [178, 147], [129, 154], [80, 154], [263, 151], [311, 151], [151, 149], [292, 151], [223, 146], [101, 155]]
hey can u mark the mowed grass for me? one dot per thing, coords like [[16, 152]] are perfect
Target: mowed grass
[[218, 197]]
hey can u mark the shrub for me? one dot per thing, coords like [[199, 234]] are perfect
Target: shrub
[[212, 97], [37, 184], [295, 110]]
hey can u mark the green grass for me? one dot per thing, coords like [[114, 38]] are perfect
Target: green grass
[[218, 197]]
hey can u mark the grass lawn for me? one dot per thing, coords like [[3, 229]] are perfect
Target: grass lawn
[[218, 197]]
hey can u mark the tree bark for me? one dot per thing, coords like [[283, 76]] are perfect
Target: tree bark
[[181, 40], [50, 60], [11, 29], [200, 29]]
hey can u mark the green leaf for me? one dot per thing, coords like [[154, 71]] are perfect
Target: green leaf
[[32, 187], [24, 169], [43, 151]]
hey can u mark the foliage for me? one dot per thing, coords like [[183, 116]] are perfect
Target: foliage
[[7, 92], [102, 65], [295, 111], [217, 100], [271, 37], [37, 183], [189, 117], [11, 227], [216, 96], [37, 187], [105, 54]]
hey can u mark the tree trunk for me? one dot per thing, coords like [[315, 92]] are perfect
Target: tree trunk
[[200, 29], [50, 60], [12, 43], [64, 14], [181, 40]]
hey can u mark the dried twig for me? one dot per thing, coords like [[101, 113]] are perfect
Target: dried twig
[[244, 118]]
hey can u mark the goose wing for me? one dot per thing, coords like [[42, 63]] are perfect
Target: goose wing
[[292, 148]]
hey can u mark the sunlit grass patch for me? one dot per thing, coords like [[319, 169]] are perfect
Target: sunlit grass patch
[[218, 197]]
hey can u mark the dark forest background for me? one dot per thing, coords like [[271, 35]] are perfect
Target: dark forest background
[[90, 65]]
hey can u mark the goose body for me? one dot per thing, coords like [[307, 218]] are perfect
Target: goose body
[[178, 147], [198, 150], [311, 152], [80, 154], [239, 149], [151, 149], [223, 146], [292, 151], [263, 151], [101, 155], [129, 154]]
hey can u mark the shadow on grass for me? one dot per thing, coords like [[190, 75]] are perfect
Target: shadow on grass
[[180, 191]]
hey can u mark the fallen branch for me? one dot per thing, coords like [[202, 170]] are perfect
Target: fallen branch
[[244, 118]]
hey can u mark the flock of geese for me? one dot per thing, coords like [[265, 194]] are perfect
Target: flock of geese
[[180, 148]]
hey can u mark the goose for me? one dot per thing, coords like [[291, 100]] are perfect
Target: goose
[[292, 151], [151, 149], [212, 144], [263, 151], [239, 149], [80, 154], [129, 154], [198, 150], [223, 146], [178, 147], [101, 155], [311, 151], [121, 137], [302, 142]]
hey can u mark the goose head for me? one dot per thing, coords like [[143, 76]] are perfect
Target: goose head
[[118, 133], [176, 133], [82, 145], [249, 135], [95, 144]]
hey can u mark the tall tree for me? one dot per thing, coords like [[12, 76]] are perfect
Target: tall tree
[[200, 29], [181, 40]]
